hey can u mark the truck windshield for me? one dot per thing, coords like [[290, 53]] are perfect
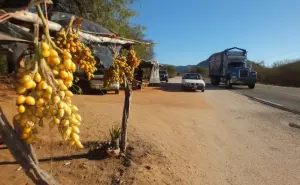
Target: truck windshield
[[162, 72], [192, 76]]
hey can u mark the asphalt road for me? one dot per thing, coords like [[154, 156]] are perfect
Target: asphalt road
[[288, 97]]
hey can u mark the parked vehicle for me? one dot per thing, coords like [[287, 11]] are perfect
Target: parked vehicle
[[163, 75], [193, 81], [229, 67], [98, 83]]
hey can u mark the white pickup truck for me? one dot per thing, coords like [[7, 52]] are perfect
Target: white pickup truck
[[97, 83]]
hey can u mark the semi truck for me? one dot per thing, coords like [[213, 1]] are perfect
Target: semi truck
[[230, 68]]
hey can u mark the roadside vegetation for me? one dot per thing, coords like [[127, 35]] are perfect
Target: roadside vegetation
[[283, 73]]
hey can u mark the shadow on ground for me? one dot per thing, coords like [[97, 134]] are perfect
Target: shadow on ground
[[176, 87], [96, 151]]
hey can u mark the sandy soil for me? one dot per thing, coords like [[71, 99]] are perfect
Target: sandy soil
[[175, 137]]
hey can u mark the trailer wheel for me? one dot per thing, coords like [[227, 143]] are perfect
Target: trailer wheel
[[228, 84], [251, 86]]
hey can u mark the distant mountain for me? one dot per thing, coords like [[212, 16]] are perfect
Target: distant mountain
[[204, 63], [183, 69]]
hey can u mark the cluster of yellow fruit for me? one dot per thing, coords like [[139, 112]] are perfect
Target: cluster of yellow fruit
[[132, 60], [82, 54], [42, 97], [122, 66]]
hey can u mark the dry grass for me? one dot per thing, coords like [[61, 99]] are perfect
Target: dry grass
[[283, 75]]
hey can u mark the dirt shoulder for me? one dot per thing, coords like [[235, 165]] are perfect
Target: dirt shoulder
[[175, 137]]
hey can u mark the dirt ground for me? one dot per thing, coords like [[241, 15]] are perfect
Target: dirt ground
[[175, 137]]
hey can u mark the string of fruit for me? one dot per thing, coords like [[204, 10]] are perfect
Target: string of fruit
[[42, 87], [121, 66], [81, 54]]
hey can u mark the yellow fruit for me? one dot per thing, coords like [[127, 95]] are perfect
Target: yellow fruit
[[69, 93], [74, 108], [24, 135], [56, 99], [29, 84], [61, 66], [73, 67], [46, 96], [42, 85], [62, 94], [75, 129], [45, 46], [67, 63], [63, 74], [73, 121], [63, 87], [61, 113], [49, 89], [71, 142], [78, 117], [45, 53], [53, 53], [55, 72], [75, 137], [61, 104], [27, 130], [65, 122], [67, 133], [70, 77], [25, 78], [56, 121], [37, 78], [68, 100], [40, 102], [21, 109], [78, 144], [30, 100], [69, 84], [21, 99], [29, 140], [67, 55], [54, 61], [21, 90]]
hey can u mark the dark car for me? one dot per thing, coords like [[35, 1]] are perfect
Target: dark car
[[164, 76]]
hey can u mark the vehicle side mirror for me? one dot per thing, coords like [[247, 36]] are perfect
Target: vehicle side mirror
[[183, 77]]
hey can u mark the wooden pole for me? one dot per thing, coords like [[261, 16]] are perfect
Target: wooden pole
[[126, 110], [23, 153]]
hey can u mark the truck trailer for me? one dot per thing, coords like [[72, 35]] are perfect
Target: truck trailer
[[230, 67]]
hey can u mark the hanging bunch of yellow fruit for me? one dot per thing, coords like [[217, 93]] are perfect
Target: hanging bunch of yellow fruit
[[82, 55], [121, 66], [43, 93]]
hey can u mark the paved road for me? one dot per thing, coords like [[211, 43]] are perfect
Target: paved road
[[286, 96]]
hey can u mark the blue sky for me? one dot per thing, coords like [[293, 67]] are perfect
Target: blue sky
[[189, 31]]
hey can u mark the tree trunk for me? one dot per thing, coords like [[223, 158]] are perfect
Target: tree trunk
[[23, 153], [126, 109]]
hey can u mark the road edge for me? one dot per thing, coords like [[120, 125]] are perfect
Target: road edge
[[272, 104]]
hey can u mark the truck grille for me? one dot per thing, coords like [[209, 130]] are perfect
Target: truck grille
[[243, 73]]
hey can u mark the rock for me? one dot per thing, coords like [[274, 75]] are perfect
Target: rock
[[148, 167]]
